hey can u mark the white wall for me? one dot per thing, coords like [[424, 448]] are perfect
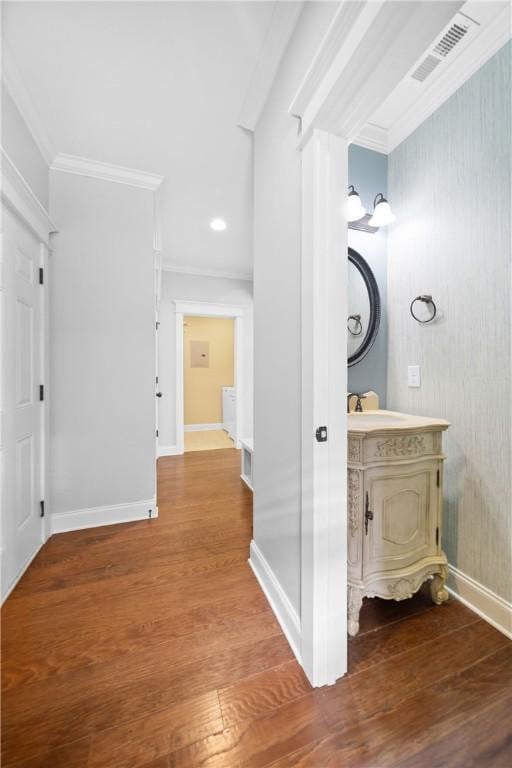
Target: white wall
[[215, 290], [102, 344], [450, 186], [22, 149], [277, 340]]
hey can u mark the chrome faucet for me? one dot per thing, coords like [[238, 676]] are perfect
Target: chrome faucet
[[359, 406]]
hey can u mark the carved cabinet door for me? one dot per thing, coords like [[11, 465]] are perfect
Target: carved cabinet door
[[401, 512]]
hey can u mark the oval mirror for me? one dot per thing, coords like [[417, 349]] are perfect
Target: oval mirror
[[363, 308]]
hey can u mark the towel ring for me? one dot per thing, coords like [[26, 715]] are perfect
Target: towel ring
[[426, 300], [358, 325]]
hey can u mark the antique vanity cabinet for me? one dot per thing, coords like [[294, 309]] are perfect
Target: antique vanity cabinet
[[395, 476]]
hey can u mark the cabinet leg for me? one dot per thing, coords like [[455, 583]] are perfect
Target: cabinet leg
[[355, 600], [437, 586]]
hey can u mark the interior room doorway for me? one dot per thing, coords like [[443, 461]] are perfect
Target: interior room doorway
[[209, 386], [209, 394], [367, 49]]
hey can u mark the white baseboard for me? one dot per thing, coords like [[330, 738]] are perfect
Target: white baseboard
[[168, 450], [284, 611], [489, 606], [247, 482], [97, 516], [202, 427]]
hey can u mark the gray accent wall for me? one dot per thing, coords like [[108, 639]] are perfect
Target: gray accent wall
[[368, 172], [449, 183]]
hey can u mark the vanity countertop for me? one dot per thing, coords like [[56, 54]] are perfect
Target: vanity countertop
[[383, 422]]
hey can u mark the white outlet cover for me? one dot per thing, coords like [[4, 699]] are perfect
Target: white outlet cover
[[413, 376]]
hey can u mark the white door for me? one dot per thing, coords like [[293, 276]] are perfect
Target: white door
[[324, 386], [158, 393], [22, 532]]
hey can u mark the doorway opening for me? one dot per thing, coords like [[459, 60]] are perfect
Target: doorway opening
[[209, 393], [209, 386]]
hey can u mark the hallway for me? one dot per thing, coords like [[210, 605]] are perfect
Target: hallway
[[149, 645]]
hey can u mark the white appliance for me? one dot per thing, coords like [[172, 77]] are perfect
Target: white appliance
[[229, 411]]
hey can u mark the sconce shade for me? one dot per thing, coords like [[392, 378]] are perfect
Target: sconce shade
[[382, 213], [355, 209]]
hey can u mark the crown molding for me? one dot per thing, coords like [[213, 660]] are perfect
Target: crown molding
[[19, 198], [199, 272], [96, 169], [341, 30], [373, 137], [81, 166], [283, 21], [14, 84]]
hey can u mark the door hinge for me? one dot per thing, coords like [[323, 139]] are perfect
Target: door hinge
[[41, 508], [157, 433], [41, 392], [321, 434], [41, 276], [150, 512], [156, 379], [437, 536], [157, 325], [438, 478]]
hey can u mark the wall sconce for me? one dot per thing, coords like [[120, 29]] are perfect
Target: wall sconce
[[355, 209], [382, 213]]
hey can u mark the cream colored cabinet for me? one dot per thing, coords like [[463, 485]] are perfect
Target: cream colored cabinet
[[395, 475]]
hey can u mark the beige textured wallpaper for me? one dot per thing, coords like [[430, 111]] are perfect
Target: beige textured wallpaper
[[203, 384], [449, 184]]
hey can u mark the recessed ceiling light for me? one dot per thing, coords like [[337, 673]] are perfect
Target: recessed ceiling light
[[218, 225]]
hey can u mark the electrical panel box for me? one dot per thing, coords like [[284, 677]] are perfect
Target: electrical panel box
[[199, 354]]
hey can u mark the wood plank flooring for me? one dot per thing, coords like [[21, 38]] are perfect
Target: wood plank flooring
[[150, 645]]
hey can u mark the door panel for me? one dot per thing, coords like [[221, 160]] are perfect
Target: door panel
[[403, 517], [24, 479], [24, 353], [21, 409], [404, 507]]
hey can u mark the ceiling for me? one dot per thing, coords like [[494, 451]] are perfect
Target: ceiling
[[157, 87], [163, 87]]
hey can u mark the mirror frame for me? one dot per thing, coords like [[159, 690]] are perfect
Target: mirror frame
[[374, 298]]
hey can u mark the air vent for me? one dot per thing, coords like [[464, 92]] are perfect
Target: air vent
[[425, 68], [456, 32], [450, 39]]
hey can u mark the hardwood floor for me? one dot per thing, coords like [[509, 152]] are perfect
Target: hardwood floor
[[150, 645]]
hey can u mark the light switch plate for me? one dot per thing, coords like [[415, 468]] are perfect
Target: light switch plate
[[413, 376]]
